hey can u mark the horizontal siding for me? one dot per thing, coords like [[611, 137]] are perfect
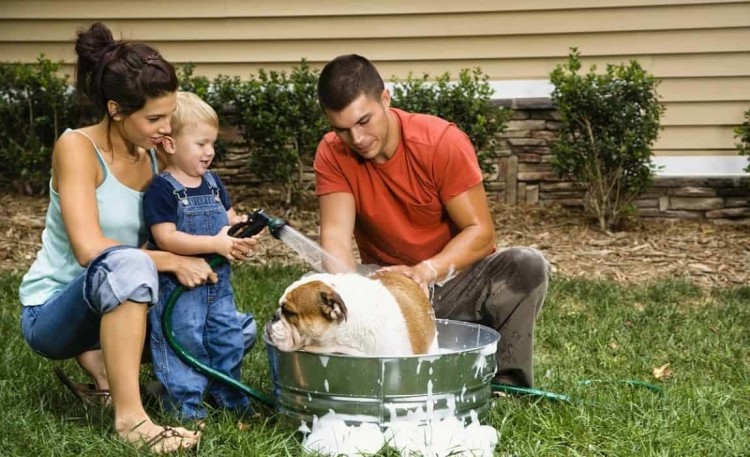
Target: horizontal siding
[[701, 113], [653, 43], [499, 24], [699, 49], [165, 9]]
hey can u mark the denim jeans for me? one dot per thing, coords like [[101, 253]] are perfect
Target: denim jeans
[[204, 322], [67, 324], [505, 291]]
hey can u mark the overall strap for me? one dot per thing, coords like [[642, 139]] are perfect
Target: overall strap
[[154, 161], [179, 190], [213, 185]]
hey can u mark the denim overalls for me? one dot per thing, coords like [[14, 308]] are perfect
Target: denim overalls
[[204, 319]]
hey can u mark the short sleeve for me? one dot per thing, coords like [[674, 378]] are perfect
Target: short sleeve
[[455, 166], [329, 176], [159, 203]]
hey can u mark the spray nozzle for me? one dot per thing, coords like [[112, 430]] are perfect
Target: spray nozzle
[[257, 221]]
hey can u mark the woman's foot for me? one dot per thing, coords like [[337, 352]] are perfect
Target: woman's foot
[[92, 363], [158, 439]]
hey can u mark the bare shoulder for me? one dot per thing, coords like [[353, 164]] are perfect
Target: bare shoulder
[[74, 156]]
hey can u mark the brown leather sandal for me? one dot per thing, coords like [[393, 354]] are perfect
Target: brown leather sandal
[[167, 432], [87, 393]]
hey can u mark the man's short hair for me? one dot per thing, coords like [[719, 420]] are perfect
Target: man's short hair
[[345, 78]]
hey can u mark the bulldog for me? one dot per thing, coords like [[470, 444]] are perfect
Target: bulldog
[[386, 314]]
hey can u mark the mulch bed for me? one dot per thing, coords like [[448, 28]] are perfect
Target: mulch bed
[[700, 251]]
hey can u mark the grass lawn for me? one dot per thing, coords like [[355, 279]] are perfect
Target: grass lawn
[[597, 331]]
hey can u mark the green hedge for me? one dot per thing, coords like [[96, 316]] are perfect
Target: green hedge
[[36, 106], [276, 111]]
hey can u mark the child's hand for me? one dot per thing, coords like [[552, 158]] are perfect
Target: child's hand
[[233, 248], [244, 247]]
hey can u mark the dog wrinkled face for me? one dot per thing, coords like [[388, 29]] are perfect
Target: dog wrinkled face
[[306, 313]]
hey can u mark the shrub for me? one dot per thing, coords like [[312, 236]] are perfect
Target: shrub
[[36, 106], [742, 132], [466, 102], [280, 120], [608, 124]]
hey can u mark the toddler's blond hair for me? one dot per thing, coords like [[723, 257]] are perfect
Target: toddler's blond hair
[[192, 110]]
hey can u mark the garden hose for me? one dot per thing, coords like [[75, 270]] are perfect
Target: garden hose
[[186, 357], [528, 391]]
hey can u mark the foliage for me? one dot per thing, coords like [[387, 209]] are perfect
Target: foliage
[[278, 118], [206, 90], [36, 106], [742, 132], [282, 122], [466, 102], [609, 122], [277, 114]]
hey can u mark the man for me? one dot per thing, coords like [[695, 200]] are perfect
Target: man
[[409, 189]]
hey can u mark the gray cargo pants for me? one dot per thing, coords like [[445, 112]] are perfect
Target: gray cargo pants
[[505, 291]]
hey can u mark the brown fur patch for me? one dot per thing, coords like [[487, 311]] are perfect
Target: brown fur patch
[[415, 306], [315, 298]]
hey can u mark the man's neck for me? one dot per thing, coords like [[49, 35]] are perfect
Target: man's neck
[[394, 135]]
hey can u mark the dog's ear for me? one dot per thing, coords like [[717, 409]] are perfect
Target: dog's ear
[[332, 306]]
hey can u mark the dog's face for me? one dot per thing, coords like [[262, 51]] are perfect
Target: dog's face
[[307, 312]]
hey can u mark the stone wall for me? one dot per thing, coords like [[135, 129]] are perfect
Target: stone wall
[[524, 175]]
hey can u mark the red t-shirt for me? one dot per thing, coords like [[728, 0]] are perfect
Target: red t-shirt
[[400, 216]]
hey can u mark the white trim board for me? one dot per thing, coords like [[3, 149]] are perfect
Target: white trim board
[[522, 88], [701, 165]]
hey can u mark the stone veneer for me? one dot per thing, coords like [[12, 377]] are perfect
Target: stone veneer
[[524, 175]]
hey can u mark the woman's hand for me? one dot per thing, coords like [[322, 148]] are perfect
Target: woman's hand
[[194, 271]]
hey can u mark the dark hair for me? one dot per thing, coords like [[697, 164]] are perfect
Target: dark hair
[[345, 78], [128, 73]]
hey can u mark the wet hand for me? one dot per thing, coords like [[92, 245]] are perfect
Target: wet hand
[[421, 273], [243, 248]]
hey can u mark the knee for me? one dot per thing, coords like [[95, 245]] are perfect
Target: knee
[[531, 269], [119, 275]]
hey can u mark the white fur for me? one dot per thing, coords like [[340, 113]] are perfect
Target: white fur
[[374, 325]]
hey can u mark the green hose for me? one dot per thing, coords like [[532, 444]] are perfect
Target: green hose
[[166, 323], [528, 391]]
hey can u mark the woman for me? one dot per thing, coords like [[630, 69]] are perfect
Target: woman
[[88, 291]]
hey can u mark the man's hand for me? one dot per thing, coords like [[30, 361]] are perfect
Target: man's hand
[[424, 274]]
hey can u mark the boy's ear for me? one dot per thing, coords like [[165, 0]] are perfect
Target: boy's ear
[[168, 145]]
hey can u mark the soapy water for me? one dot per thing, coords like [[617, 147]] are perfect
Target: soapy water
[[420, 432], [436, 438]]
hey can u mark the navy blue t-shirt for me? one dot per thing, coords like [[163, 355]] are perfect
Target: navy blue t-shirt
[[160, 202]]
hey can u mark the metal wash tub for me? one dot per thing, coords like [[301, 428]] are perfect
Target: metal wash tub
[[387, 389]]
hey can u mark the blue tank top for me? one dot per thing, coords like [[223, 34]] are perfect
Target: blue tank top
[[120, 218]]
